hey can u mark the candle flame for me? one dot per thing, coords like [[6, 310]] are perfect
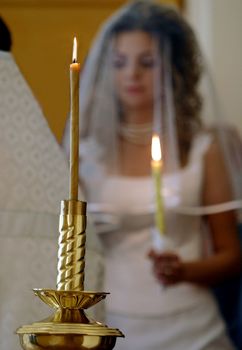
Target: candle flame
[[74, 52], [156, 148]]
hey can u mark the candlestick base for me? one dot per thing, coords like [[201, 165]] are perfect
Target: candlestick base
[[69, 328]]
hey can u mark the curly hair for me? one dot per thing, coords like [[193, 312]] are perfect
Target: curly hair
[[167, 25]]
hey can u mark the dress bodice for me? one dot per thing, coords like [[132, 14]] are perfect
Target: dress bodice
[[131, 199]]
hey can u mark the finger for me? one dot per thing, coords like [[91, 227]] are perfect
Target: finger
[[152, 254], [166, 281], [168, 256], [163, 270]]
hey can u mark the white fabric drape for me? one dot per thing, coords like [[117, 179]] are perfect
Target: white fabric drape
[[33, 181]]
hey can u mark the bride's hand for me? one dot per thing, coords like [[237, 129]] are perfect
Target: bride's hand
[[167, 267]]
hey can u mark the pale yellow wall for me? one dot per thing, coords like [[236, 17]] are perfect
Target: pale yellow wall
[[227, 56], [218, 24], [43, 32]]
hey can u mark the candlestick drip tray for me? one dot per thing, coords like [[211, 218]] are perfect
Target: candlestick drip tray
[[68, 328]]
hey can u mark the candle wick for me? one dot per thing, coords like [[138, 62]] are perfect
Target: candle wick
[[74, 60]]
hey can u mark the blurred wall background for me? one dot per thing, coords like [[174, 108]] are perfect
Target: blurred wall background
[[218, 24]]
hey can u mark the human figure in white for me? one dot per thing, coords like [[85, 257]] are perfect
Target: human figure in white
[[142, 75]]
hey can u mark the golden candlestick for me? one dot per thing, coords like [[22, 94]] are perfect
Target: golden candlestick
[[69, 327]]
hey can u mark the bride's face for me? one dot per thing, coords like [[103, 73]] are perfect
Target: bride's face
[[134, 65]]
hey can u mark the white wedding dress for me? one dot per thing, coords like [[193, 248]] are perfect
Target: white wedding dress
[[183, 317]]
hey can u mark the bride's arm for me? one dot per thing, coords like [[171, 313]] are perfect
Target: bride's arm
[[226, 259]]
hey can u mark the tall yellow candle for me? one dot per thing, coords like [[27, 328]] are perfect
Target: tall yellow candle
[[74, 127], [156, 165]]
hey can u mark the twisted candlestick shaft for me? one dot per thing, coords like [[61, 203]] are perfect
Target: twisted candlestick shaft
[[71, 253]]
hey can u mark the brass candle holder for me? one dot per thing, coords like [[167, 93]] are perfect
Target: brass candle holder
[[69, 328]]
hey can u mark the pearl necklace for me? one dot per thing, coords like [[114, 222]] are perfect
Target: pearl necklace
[[139, 134]]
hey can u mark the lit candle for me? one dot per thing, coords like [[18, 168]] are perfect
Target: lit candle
[[74, 128], [156, 165]]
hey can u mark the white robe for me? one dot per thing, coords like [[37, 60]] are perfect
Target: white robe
[[33, 181]]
